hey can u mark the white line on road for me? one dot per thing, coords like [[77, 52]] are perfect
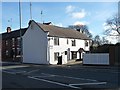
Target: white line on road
[[13, 72], [11, 67], [96, 83], [9, 72], [33, 71], [53, 82], [43, 76], [69, 77]]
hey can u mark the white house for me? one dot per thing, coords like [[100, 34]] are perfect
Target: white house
[[42, 44]]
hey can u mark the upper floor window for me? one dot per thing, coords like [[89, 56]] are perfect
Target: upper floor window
[[73, 42], [18, 41], [56, 41], [13, 41], [67, 41], [6, 42], [86, 43]]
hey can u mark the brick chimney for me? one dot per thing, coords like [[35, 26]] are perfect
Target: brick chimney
[[8, 29]]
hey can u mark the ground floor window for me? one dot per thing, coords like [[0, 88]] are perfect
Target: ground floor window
[[74, 54], [6, 52], [56, 54]]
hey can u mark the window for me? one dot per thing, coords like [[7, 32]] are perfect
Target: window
[[65, 52], [74, 54], [6, 42], [6, 52], [86, 43], [18, 41], [18, 51], [73, 42], [13, 41], [56, 54], [56, 41], [67, 41]]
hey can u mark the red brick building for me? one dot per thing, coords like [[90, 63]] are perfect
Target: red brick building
[[11, 44]]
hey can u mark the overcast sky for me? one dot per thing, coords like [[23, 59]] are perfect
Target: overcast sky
[[93, 14]]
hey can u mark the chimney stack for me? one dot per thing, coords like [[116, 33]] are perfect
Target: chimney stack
[[8, 29]]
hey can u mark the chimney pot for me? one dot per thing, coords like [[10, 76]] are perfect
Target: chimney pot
[[8, 29]]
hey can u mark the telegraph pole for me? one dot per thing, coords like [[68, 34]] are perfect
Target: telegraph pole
[[30, 11], [20, 31], [41, 15]]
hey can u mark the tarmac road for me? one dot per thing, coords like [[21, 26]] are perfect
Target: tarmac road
[[53, 76]]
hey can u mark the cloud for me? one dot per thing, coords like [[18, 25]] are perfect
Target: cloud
[[58, 24], [75, 12], [69, 8], [81, 23], [79, 15]]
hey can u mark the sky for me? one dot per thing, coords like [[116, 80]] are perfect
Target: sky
[[92, 14]]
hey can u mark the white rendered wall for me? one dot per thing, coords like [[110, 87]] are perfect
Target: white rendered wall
[[35, 45], [63, 46], [96, 59]]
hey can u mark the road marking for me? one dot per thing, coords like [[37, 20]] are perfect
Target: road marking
[[53, 82], [33, 71], [9, 72], [70, 77], [96, 83], [13, 72], [43, 76], [10, 67]]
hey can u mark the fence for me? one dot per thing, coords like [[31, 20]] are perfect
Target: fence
[[96, 59]]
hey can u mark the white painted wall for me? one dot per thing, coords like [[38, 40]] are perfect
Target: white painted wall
[[96, 59], [35, 45], [63, 46]]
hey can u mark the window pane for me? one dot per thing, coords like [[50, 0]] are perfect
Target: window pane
[[73, 43], [56, 41]]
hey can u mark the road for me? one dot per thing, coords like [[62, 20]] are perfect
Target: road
[[66, 77]]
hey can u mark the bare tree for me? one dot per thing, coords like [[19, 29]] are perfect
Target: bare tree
[[104, 41], [97, 40], [113, 25], [82, 28]]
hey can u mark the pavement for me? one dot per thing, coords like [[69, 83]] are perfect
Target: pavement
[[72, 63]]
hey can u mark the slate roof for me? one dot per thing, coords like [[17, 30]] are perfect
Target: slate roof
[[63, 32], [54, 31], [13, 34]]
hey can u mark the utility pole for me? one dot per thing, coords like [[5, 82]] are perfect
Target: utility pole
[[41, 15], [30, 11], [10, 22], [20, 31]]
